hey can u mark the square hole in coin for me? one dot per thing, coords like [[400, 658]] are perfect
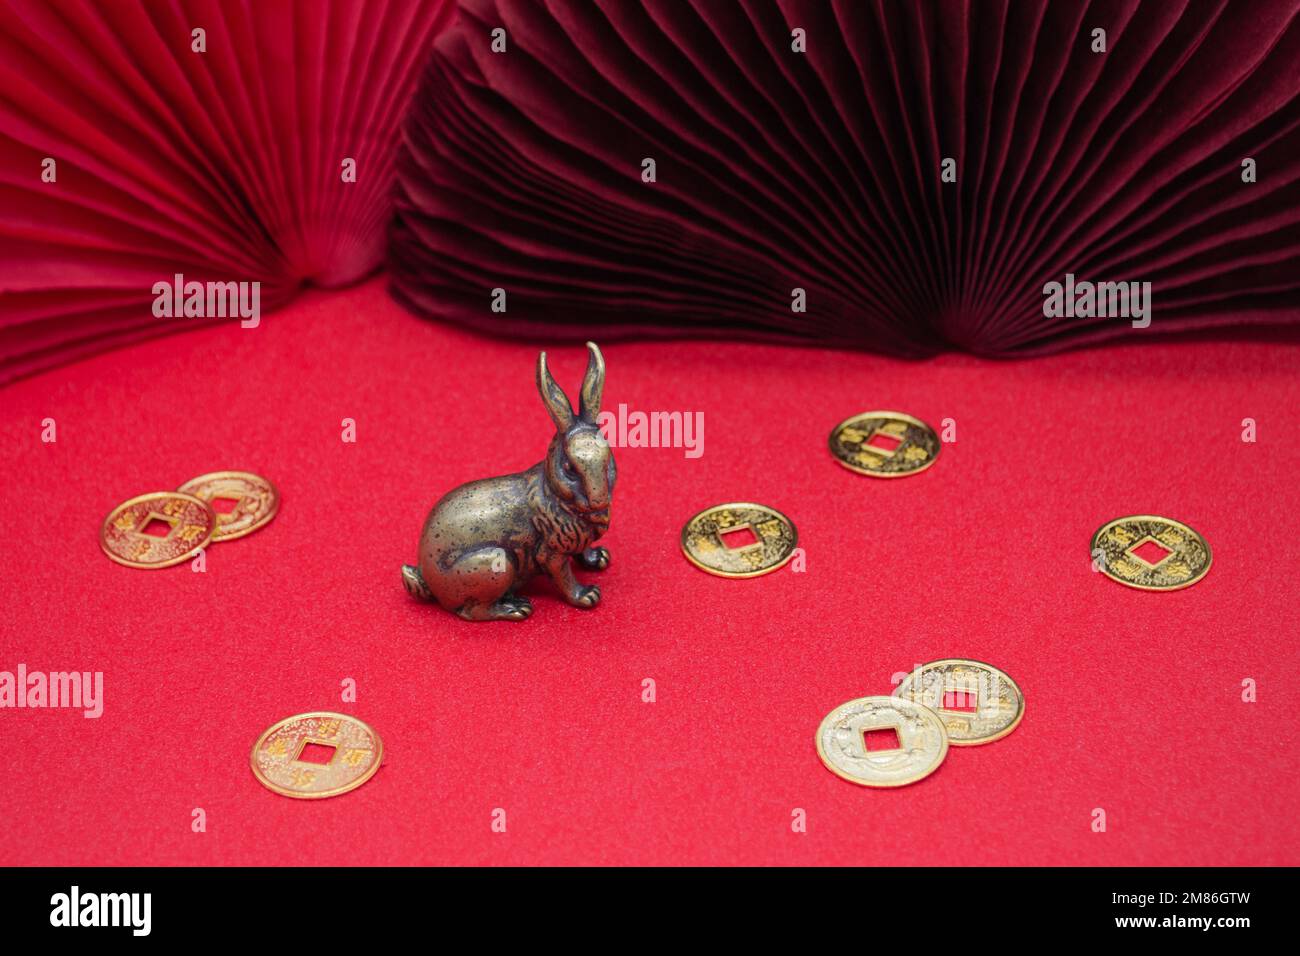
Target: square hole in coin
[[156, 527], [320, 754], [1150, 551], [885, 442], [741, 536], [223, 506], [960, 699], [886, 738]]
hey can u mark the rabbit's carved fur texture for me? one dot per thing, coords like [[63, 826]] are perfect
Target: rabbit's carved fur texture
[[484, 540]]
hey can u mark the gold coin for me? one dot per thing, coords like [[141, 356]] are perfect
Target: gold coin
[[243, 501], [1150, 553], [739, 540], [884, 444], [157, 530], [921, 745], [976, 702], [316, 755]]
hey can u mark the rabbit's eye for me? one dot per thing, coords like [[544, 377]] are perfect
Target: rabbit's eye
[[567, 467]]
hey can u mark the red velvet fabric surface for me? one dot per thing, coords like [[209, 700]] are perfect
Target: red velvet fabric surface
[[1134, 698]]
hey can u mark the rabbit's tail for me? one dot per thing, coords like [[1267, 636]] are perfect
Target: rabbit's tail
[[414, 582]]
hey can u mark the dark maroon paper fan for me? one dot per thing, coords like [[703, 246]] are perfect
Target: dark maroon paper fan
[[778, 170], [224, 165]]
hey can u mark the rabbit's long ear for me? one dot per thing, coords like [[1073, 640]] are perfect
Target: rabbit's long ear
[[553, 397], [592, 385]]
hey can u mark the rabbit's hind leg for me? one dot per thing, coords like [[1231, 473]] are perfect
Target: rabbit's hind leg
[[510, 607], [478, 587]]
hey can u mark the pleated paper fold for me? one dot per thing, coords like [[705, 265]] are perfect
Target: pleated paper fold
[[801, 145], [133, 149]]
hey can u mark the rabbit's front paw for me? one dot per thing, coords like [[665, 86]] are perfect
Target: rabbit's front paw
[[597, 559], [586, 596]]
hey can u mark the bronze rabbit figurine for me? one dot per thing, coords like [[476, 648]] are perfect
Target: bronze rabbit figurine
[[484, 540]]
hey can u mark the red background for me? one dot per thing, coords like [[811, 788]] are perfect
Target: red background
[[1133, 698]]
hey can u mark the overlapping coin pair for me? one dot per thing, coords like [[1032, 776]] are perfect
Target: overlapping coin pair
[[743, 539], [164, 528], [959, 702]]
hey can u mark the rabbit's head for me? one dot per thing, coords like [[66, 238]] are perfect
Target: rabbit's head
[[579, 464]]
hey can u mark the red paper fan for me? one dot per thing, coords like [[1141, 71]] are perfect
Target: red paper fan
[[822, 170], [222, 165]]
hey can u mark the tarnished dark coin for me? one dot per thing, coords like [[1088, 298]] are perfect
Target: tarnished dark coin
[[884, 444], [739, 540], [1150, 553]]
